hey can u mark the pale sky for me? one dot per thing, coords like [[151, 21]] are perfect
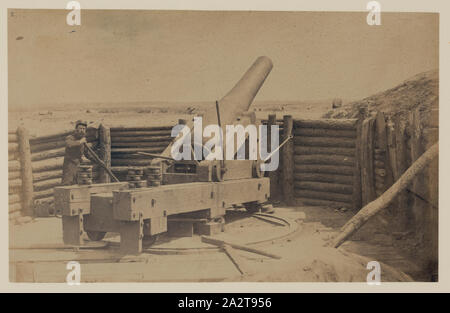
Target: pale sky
[[123, 56]]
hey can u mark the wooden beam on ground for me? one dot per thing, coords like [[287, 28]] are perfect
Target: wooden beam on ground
[[221, 243]]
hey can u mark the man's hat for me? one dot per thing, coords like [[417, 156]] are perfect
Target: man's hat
[[80, 122]]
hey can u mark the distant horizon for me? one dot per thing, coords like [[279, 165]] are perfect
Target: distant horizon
[[181, 56]]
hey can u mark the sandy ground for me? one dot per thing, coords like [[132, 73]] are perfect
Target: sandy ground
[[304, 254]]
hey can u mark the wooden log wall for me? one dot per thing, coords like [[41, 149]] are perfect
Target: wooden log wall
[[47, 156], [127, 141], [324, 162]]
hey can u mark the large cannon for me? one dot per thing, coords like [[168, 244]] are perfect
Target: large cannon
[[193, 194]]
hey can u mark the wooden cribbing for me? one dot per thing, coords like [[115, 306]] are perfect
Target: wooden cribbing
[[325, 195], [321, 202], [325, 178], [320, 132], [26, 171], [327, 187], [344, 124], [324, 169], [48, 154], [287, 155], [324, 159], [301, 150], [386, 198], [337, 142]]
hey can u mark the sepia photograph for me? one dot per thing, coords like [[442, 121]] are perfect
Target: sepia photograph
[[222, 146]]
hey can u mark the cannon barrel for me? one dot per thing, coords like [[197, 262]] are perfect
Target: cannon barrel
[[238, 100]]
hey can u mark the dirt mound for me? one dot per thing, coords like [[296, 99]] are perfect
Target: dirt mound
[[420, 91]]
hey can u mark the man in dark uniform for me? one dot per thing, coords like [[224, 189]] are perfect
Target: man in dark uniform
[[75, 150]]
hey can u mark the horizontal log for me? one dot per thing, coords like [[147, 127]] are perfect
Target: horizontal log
[[380, 172], [132, 156], [119, 162], [379, 158], [324, 203], [123, 134], [324, 169], [13, 166], [119, 169], [16, 207], [128, 129], [47, 165], [325, 187], [378, 164], [325, 142], [13, 147], [43, 194], [12, 138], [323, 195], [325, 178], [345, 124], [49, 154], [161, 144], [116, 151], [47, 146], [141, 139], [14, 215], [300, 150], [14, 198], [47, 175], [324, 159], [14, 175], [320, 132], [15, 183], [91, 136], [48, 200], [50, 138], [13, 156], [47, 184]]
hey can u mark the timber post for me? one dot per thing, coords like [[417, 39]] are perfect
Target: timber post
[[26, 171], [104, 138], [288, 161]]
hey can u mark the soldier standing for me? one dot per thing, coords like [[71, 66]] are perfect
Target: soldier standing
[[75, 150]]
